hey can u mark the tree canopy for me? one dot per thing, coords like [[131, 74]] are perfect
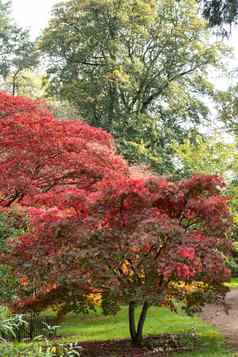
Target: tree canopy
[[137, 69], [220, 12], [17, 51], [97, 225]]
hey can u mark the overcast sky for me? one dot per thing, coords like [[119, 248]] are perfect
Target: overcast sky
[[33, 14]]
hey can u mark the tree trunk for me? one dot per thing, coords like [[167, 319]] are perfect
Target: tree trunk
[[136, 332], [139, 333], [132, 320], [61, 314]]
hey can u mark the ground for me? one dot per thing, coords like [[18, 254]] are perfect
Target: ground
[[227, 323], [106, 331]]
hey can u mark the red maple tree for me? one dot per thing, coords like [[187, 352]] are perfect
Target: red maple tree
[[99, 226]]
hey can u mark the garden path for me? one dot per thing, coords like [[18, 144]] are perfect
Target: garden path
[[226, 323]]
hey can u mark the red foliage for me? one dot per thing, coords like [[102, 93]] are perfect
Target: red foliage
[[40, 155], [94, 226]]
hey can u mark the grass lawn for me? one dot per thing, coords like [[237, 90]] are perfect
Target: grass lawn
[[233, 283], [95, 326]]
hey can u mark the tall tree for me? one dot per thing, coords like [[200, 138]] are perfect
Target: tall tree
[[220, 12], [4, 30], [4, 16], [17, 54], [137, 69]]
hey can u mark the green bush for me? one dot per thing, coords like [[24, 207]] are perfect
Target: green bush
[[12, 224], [233, 266], [233, 261], [37, 349], [8, 349], [10, 325], [25, 327]]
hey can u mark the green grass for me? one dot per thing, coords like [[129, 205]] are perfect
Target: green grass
[[233, 283], [95, 326], [206, 353]]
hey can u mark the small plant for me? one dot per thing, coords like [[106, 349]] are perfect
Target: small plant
[[10, 327], [173, 342], [10, 349], [40, 347], [61, 350], [7, 329], [50, 330]]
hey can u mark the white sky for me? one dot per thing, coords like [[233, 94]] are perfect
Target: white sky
[[32, 14]]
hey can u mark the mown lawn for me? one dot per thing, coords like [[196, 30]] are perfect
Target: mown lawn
[[233, 283], [95, 326]]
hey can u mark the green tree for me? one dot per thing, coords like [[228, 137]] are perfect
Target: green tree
[[207, 156], [12, 224], [211, 156], [220, 12], [28, 83], [4, 16], [137, 68], [4, 32], [17, 51]]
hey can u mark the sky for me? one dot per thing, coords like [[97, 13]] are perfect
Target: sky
[[32, 14]]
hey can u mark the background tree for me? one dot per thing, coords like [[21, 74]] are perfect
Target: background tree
[[4, 26], [102, 226], [27, 83], [18, 52], [220, 12], [137, 69], [12, 224], [207, 155]]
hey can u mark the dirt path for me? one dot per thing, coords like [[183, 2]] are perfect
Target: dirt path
[[227, 324]]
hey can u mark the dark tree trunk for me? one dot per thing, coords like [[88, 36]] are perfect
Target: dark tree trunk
[[61, 314], [13, 88], [139, 333], [136, 332], [132, 320]]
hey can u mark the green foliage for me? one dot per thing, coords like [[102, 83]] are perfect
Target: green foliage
[[11, 225], [28, 83], [17, 51], [228, 108], [212, 156], [220, 13], [207, 156], [62, 109], [51, 329], [40, 347], [10, 327], [137, 69], [233, 283]]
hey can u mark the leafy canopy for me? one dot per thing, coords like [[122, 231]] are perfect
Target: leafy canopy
[[98, 226], [135, 68], [220, 12], [17, 51]]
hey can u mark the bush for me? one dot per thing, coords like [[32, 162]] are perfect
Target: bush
[[233, 261], [38, 349], [10, 328], [25, 327], [233, 266]]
